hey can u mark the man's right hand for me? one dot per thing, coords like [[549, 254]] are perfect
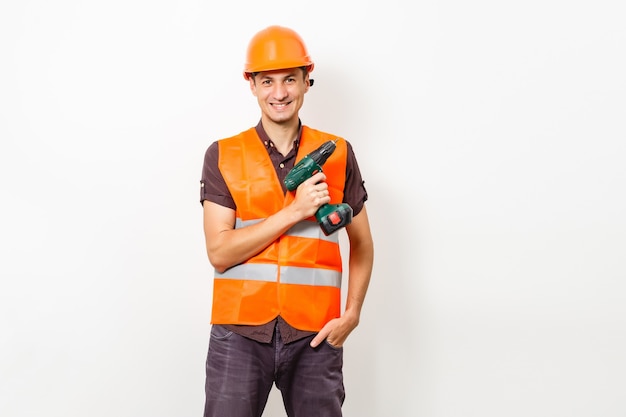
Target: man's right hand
[[311, 195]]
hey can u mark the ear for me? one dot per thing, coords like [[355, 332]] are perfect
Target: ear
[[252, 85]]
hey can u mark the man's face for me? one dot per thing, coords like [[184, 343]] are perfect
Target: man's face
[[280, 93]]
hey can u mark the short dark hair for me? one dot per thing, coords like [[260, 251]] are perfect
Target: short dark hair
[[304, 73]]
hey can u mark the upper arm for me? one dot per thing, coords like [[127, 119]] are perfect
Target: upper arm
[[216, 219], [212, 184], [355, 193], [359, 233]]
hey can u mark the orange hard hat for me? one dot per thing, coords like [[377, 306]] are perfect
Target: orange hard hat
[[276, 47]]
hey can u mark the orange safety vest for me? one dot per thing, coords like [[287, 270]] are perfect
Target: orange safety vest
[[298, 276]]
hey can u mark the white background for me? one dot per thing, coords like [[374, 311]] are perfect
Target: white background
[[491, 136]]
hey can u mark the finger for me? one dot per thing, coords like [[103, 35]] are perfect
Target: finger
[[317, 340], [320, 337], [319, 177]]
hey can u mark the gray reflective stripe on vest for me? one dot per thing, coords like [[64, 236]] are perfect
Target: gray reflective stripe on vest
[[288, 274], [252, 272], [310, 276], [306, 228], [243, 223]]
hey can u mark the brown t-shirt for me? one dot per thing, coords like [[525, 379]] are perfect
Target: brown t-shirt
[[213, 188]]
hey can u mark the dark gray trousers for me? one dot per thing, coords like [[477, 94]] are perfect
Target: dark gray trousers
[[240, 373]]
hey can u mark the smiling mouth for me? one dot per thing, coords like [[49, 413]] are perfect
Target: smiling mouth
[[280, 105]]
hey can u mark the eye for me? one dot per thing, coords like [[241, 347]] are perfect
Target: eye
[[290, 80], [266, 82]]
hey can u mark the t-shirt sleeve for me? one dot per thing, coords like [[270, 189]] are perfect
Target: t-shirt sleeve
[[354, 194], [212, 185]]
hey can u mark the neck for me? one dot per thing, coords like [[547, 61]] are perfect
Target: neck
[[282, 134]]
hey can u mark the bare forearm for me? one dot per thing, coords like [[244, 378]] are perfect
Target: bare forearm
[[360, 271], [234, 246], [360, 264]]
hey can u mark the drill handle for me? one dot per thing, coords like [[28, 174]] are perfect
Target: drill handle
[[303, 170]]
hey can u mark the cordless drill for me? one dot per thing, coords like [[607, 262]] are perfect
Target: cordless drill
[[330, 217]]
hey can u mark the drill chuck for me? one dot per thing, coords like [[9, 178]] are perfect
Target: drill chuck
[[321, 154]]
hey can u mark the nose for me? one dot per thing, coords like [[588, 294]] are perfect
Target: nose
[[280, 91]]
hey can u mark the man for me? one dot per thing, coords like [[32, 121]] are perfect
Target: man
[[276, 296]]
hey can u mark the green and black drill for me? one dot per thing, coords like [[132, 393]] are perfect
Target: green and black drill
[[331, 217]]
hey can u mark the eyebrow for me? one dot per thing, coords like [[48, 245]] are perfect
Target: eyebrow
[[272, 77]]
